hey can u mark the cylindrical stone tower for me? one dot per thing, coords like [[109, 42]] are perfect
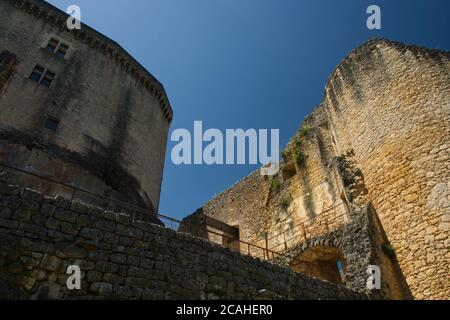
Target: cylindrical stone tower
[[390, 104], [77, 108]]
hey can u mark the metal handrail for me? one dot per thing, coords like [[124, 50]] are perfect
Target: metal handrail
[[312, 187], [305, 228], [122, 203], [135, 208], [308, 220]]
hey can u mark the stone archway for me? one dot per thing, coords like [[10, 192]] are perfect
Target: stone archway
[[349, 246], [323, 262]]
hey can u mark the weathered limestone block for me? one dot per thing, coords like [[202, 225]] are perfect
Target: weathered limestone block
[[153, 262], [102, 288], [65, 215]]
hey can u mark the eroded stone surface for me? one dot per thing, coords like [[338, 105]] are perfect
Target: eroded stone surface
[[380, 138], [165, 265]]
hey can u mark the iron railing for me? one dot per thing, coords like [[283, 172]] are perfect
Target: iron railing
[[137, 212], [323, 222]]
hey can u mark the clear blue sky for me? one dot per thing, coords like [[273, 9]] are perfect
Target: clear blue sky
[[248, 63]]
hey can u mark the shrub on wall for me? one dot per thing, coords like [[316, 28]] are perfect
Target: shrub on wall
[[275, 186], [304, 131], [299, 157]]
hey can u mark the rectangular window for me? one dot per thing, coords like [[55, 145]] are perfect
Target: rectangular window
[[52, 45], [62, 50], [57, 47], [37, 73], [52, 124], [48, 78], [42, 76]]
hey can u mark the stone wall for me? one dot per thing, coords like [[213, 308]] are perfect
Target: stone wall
[[386, 109], [358, 244], [278, 209], [124, 259], [390, 104], [113, 115], [8, 64], [350, 229], [238, 207]]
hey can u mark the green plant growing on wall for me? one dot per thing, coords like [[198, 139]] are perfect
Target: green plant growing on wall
[[285, 203], [275, 185], [304, 131], [299, 157], [389, 251]]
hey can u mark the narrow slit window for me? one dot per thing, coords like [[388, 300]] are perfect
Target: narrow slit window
[[52, 124]]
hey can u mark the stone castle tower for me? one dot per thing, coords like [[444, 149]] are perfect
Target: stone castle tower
[[365, 181], [77, 108]]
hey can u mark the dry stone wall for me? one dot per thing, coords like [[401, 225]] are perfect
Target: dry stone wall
[[124, 259]]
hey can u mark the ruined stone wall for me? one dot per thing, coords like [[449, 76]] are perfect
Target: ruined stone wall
[[390, 104], [386, 109], [240, 205], [113, 115], [308, 203], [355, 244], [124, 259], [302, 201]]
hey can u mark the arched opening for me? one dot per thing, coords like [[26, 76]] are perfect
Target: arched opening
[[324, 262]]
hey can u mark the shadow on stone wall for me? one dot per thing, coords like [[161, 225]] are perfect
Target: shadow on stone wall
[[9, 290], [41, 236], [396, 285]]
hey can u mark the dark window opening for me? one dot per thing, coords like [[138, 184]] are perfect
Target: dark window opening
[[42, 76], [289, 172], [52, 124], [62, 50], [47, 79], [57, 47], [52, 45], [323, 262], [37, 73], [231, 241]]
